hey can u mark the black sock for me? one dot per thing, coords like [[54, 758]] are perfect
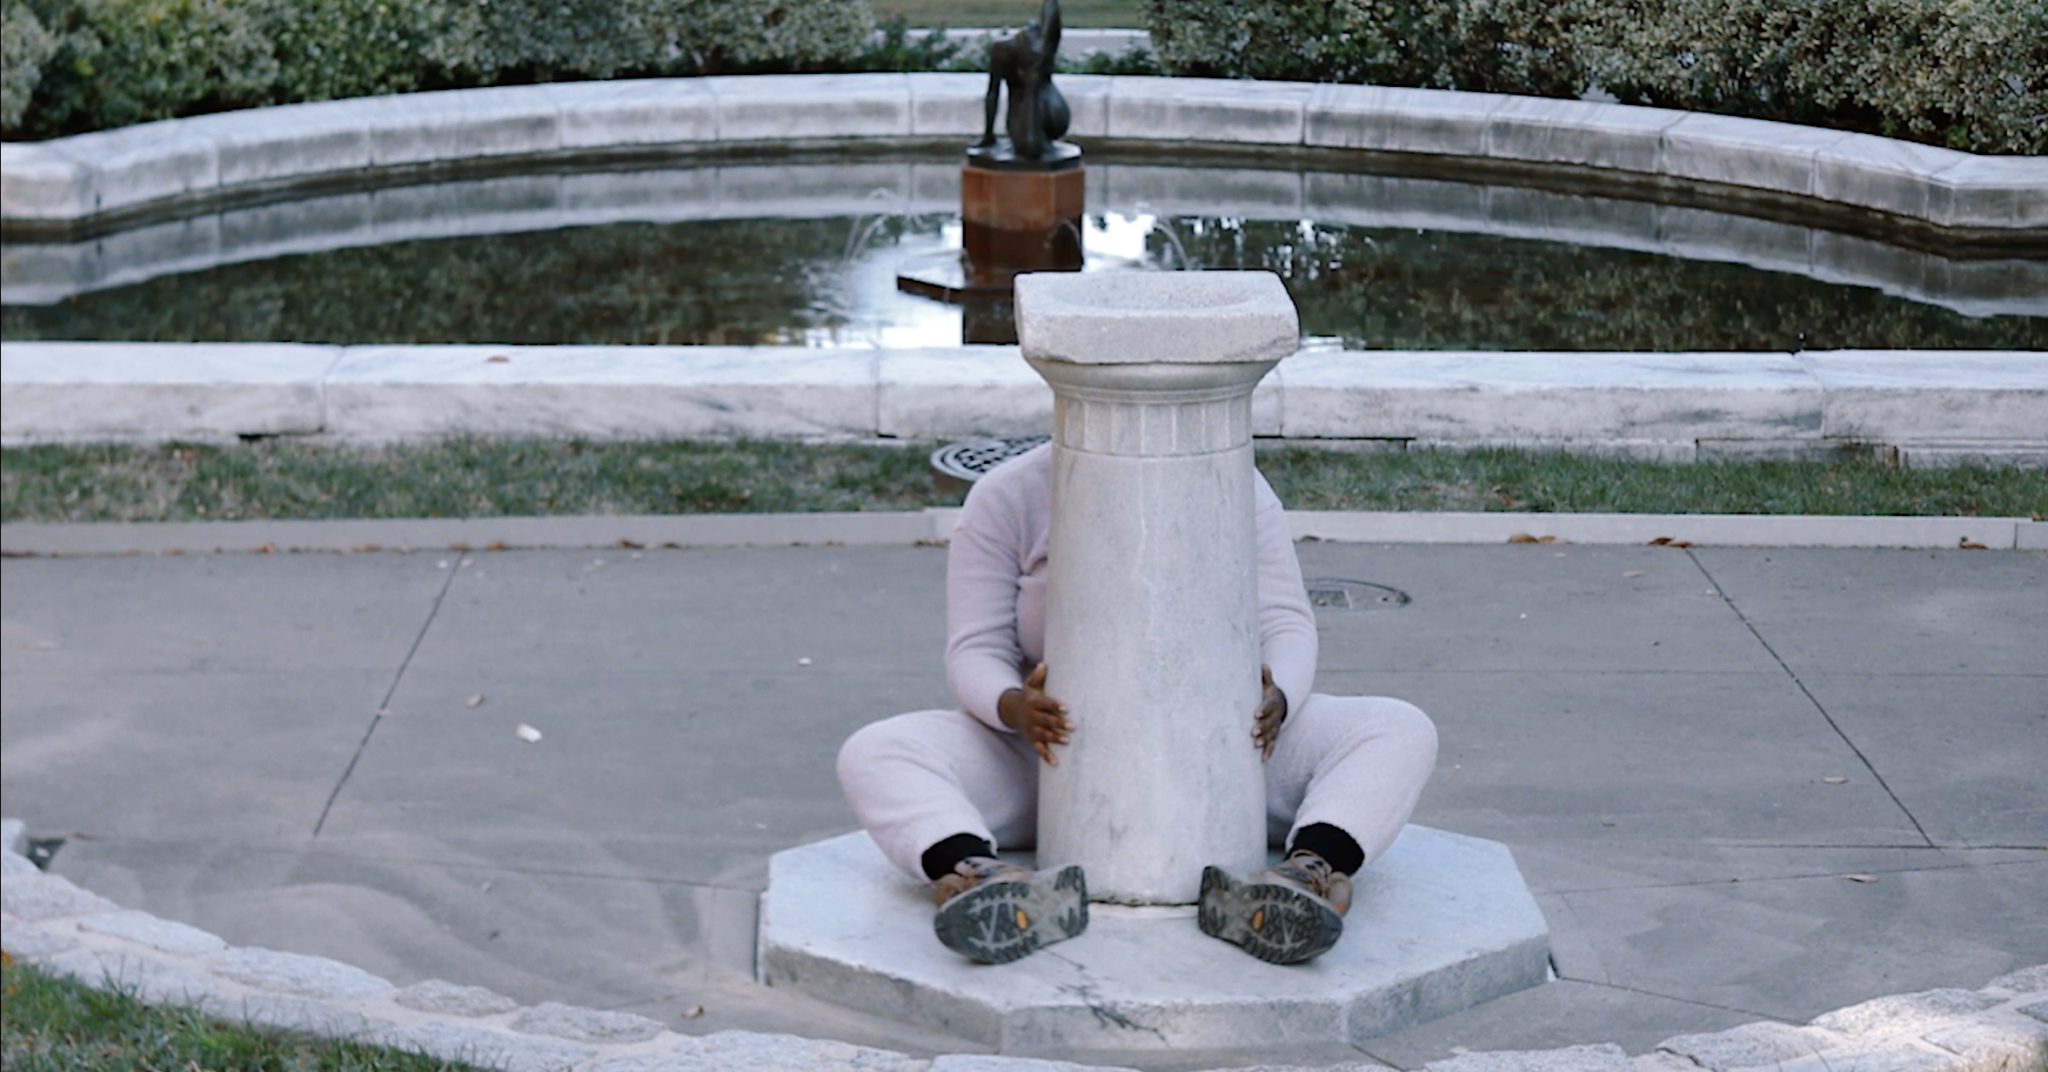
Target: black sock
[[940, 858], [1335, 847]]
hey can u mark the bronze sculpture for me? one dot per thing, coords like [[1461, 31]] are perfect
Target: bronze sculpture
[[1037, 115]]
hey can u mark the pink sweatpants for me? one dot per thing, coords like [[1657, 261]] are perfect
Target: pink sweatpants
[[1356, 762]]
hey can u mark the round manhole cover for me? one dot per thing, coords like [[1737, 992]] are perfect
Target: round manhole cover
[[968, 459], [1335, 593]]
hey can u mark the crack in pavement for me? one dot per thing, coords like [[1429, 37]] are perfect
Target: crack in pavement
[[383, 705], [1810, 697]]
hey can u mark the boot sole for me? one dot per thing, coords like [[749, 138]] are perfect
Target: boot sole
[[1277, 924], [998, 922]]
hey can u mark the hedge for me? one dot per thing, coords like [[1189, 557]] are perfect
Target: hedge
[[76, 65], [1968, 74]]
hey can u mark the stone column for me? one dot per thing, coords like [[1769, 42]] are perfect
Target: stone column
[[1152, 637]]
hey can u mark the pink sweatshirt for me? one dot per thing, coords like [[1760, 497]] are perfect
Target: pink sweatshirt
[[995, 589]]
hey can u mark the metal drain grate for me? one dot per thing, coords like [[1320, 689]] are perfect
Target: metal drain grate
[[1335, 593], [968, 459]]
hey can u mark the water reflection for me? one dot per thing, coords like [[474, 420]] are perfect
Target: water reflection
[[787, 254]]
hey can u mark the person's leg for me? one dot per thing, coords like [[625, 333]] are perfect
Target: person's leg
[[922, 779], [1343, 778], [1351, 766], [938, 791]]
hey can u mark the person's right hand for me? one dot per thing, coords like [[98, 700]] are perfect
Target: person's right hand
[[1041, 719]]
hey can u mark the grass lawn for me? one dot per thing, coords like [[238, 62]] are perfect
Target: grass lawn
[[1011, 13], [492, 478], [56, 1025]]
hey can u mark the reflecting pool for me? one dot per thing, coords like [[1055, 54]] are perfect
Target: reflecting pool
[[808, 256]]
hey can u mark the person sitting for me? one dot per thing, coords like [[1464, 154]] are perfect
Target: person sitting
[[940, 790]]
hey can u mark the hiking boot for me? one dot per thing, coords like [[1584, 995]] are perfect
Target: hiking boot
[[1285, 914], [994, 913]]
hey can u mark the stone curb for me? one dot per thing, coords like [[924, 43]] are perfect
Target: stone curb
[[1931, 407], [41, 273], [935, 526], [206, 157], [47, 921]]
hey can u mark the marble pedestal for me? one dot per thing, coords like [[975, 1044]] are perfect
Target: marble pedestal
[[1441, 923], [1151, 612]]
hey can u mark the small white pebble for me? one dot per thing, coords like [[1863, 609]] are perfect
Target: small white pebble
[[443, 564], [468, 562], [527, 733], [693, 1012], [805, 661]]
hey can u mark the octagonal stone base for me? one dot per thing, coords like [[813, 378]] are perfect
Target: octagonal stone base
[[1441, 923]]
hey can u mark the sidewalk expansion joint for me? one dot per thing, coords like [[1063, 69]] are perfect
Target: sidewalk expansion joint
[[385, 704], [1671, 997], [1810, 697]]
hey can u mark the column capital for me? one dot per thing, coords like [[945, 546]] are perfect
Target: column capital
[[1154, 364], [1173, 318]]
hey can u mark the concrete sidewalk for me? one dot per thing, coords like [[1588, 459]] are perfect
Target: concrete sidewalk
[[1690, 751]]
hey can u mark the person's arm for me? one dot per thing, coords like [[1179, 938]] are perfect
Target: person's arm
[[983, 562], [1287, 624]]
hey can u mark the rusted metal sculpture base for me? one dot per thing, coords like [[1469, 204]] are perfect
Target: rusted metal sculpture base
[[1015, 217]]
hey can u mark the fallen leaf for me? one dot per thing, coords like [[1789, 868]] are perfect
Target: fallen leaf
[[1546, 539], [271, 549], [1834, 779], [1681, 543], [1660, 541], [630, 545], [693, 1012], [496, 359], [495, 545], [1632, 573], [362, 548], [526, 733], [1969, 544], [474, 701], [1860, 878], [458, 547], [1522, 537]]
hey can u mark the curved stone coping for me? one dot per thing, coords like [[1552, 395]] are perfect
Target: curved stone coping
[[1931, 406], [111, 172], [33, 273], [62, 929]]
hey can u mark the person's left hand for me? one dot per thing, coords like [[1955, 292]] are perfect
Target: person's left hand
[[1271, 713]]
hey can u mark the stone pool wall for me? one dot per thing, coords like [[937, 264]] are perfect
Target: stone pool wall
[[1925, 408]]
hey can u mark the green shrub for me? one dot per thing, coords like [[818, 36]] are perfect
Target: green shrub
[[130, 61], [24, 47], [1505, 46], [76, 65], [1971, 74], [329, 49]]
